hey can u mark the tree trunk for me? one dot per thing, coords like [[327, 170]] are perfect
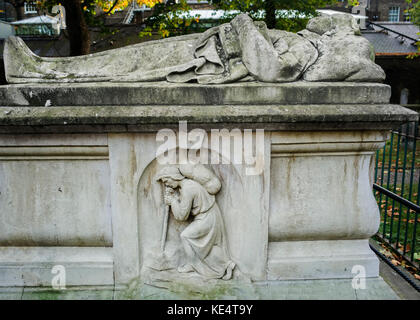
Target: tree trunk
[[77, 28], [270, 13]]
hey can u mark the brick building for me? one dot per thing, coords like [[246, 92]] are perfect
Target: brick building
[[377, 10], [388, 10], [12, 10]]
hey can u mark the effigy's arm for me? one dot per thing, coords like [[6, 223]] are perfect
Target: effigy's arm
[[258, 54]]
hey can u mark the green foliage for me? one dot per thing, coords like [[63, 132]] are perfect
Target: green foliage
[[294, 19], [353, 3], [170, 19], [414, 12], [88, 6]]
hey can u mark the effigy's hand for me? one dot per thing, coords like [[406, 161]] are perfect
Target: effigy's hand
[[241, 21], [258, 53]]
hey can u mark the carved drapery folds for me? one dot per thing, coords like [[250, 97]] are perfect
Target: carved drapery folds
[[329, 49]]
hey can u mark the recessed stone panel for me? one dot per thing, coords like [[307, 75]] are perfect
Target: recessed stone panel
[[55, 203]]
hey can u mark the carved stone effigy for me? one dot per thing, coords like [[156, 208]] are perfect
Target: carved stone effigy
[[329, 49], [85, 181]]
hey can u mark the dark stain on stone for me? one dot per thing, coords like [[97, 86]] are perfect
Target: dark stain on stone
[[133, 160], [290, 162]]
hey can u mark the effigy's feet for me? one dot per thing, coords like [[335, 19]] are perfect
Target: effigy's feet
[[20, 61], [22, 65]]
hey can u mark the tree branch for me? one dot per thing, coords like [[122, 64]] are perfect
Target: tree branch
[[113, 6]]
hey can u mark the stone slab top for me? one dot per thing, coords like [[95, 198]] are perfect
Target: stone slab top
[[165, 93], [95, 119]]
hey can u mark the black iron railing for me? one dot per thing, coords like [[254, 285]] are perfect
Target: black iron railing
[[397, 181]]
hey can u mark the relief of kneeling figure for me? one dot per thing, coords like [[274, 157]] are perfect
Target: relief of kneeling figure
[[204, 239]]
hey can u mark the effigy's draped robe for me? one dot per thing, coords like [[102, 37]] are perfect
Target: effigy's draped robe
[[150, 61], [203, 58], [211, 57], [330, 49]]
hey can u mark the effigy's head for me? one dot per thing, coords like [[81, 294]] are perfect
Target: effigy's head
[[334, 24], [170, 176]]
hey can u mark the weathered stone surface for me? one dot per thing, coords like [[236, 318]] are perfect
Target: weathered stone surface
[[103, 293], [32, 266], [322, 259], [334, 289], [320, 25], [343, 54], [256, 219], [145, 107], [237, 51], [63, 221], [307, 214], [11, 293], [339, 60], [161, 93], [152, 118]]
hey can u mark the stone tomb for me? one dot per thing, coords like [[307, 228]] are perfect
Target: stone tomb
[[255, 181], [81, 187]]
